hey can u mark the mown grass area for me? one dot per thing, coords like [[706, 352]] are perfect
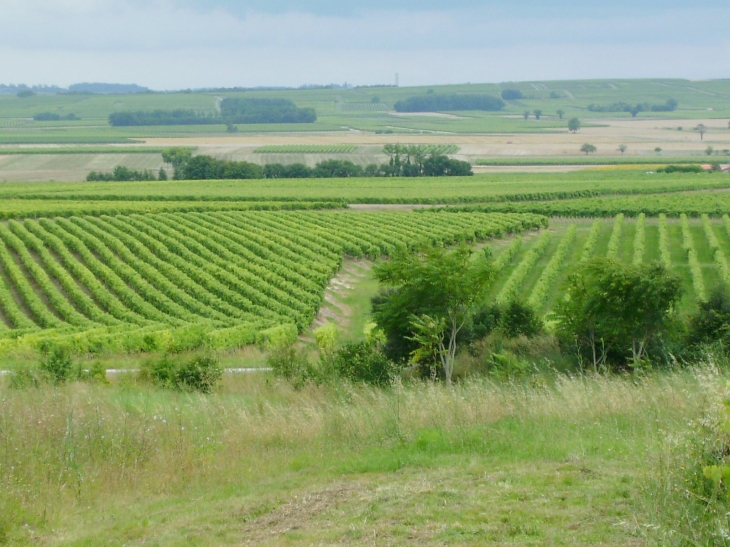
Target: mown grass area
[[555, 461]]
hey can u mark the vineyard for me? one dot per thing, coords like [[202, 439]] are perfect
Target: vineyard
[[533, 267], [112, 283], [307, 149]]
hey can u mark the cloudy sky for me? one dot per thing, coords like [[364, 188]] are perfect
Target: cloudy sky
[[172, 44]]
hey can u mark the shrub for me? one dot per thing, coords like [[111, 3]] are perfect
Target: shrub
[[711, 322], [518, 319], [201, 373], [57, 366], [291, 363], [363, 362]]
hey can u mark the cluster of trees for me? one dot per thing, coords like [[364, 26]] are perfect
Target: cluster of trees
[[432, 102], [233, 111], [53, 117], [512, 94], [634, 109], [612, 316], [161, 117], [405, 161], [124, 174], [265, 111]]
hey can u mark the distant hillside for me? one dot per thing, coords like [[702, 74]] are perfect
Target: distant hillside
[[107, 88]]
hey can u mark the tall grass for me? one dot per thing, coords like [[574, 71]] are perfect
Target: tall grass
[[80, 445]]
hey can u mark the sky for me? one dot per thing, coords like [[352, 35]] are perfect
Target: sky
[[178, 44]]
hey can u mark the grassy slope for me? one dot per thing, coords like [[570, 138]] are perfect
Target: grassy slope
[[342, 109], [563, 464]]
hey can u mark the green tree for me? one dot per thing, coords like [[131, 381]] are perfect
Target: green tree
[[574, 125], [526, 114], [614, 307], [561, 113], [622, 148], [538, 114], [178, 157], [709, 150], [588, 148], [658, 150], [701, 129], [443, 289]]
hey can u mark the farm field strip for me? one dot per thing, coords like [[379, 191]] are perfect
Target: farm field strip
[[306, 149], [565, 193], [182, 280]]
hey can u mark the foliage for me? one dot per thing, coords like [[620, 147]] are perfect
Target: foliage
[[53, 117], [57, 366], [444, 287], [233, 111], [588, 148], [292, 364], [711, 322], [123, 174], [613, 312], [517, 319], [680, 169], [250, 110], [511, 94], [669, 106], [574, 125], [363, 362], [199, 374]]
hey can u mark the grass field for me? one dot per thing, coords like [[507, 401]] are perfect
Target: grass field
[[568, 461]]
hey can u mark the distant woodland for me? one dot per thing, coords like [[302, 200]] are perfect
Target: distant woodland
[[233, 111]]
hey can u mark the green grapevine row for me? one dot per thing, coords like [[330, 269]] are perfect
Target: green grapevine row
[[615, 241], [513, 283], [694, 264], [540, 292], [639, 239]]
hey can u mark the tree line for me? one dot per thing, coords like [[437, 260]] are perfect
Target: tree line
[[54, 117], [669, 106], [405, 161], [233, 111]]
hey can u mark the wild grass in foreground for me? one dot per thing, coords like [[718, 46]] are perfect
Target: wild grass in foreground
[[561, 461]]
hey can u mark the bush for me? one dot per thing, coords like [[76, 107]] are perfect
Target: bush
[[57, 366], [363, 362], [680, 169], [518, 319], [711, 322], [201, 373], [290, 363]]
